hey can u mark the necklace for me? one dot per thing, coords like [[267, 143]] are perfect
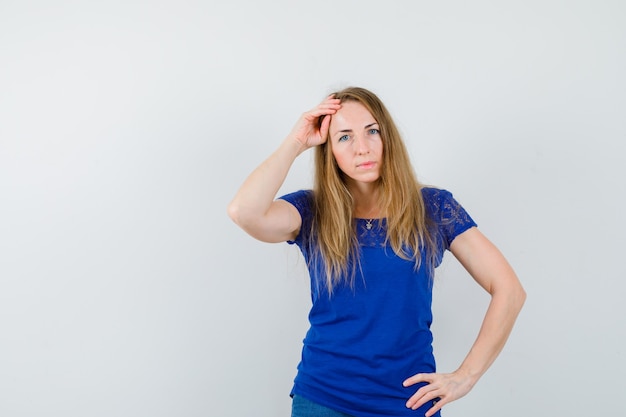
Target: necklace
[[368, 222]]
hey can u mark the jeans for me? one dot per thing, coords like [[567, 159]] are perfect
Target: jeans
[[301, 407]]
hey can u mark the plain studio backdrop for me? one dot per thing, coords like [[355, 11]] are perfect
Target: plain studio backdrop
[[127, 126]]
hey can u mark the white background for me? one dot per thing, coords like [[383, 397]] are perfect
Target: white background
[[127, 126]]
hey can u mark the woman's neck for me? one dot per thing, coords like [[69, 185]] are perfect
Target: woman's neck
[[365, 199]]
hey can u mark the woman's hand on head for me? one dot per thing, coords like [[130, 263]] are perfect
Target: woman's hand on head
[[441, 388], [309, 130]]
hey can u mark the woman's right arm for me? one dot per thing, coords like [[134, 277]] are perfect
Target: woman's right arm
[[254, 207]]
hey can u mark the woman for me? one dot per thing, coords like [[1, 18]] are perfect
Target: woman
[[372, 236]]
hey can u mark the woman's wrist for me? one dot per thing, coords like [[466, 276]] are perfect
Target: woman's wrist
[[295, 145], [468, 374]]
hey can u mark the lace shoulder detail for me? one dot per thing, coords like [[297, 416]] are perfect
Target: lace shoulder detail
[[449, 216]]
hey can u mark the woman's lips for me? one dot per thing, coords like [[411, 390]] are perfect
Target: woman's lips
[[366, 165]]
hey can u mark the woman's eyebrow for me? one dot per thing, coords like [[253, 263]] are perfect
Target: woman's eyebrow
[[350, 130], [340, 131]]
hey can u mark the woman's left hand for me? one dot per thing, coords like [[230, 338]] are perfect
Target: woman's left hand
[[442, 388]]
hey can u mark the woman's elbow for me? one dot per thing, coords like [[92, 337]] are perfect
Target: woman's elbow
[[518, 296], [511, 293], [233, 212], [247, 220]]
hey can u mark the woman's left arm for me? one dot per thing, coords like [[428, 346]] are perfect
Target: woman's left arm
[[491, 270]]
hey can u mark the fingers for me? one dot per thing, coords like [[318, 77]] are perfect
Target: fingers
[[327, 107], [312, 127], [440, 389], [423, 395], [324, 126], [438, 406], [417, 378], [433, 399]]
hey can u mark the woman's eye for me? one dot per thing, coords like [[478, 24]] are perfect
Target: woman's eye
[[344, 138], [374, 131]]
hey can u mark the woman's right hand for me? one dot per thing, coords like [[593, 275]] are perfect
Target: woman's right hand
[[309, 131]]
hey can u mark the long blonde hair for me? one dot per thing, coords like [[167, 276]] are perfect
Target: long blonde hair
[[399, 194]]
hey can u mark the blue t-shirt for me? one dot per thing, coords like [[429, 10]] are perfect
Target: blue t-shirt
[[368, 337]]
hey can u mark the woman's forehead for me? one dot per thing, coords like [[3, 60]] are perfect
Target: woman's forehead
[[352, 115]]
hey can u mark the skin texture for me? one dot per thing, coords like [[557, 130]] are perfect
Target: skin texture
[[357, 148]]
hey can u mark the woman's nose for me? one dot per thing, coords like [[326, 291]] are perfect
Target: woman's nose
[[360, 145]]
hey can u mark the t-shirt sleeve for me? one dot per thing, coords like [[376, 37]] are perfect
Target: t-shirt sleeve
[[450, 216], [303, 201]]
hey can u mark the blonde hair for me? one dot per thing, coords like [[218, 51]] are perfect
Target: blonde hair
[[400, 198]]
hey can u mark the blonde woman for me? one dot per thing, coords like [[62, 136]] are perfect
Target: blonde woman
[[372, 236]]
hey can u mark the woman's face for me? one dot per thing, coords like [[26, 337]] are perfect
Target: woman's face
[[356, 143]]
